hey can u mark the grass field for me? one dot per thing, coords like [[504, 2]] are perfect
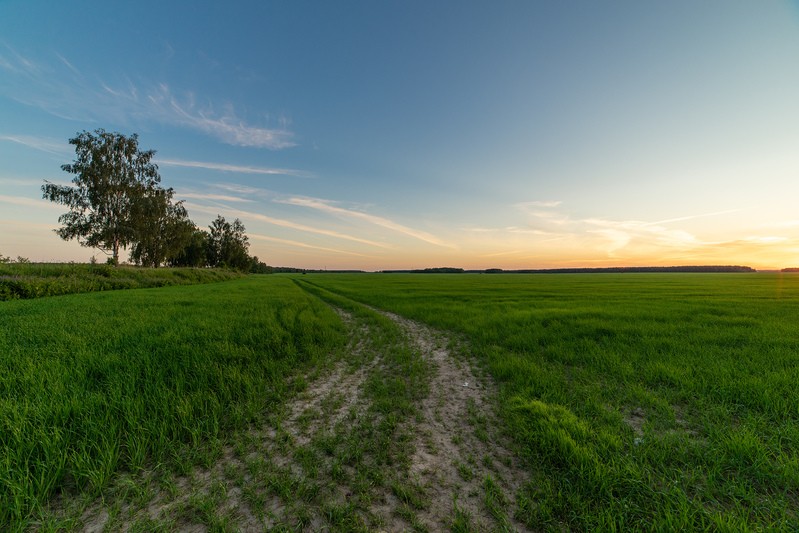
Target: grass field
[[634, 401], [92, 385], [640, 401]]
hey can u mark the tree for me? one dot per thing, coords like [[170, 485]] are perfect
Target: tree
[[111, 176], [194, 251], [228, 244], [259, 267], [163, 229]]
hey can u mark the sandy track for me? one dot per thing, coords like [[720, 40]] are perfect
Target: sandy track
[[458, 446], [458, 458]]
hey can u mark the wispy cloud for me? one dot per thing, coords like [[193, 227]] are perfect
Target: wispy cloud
[[620, 234], [766, 239], [301, 244], [44, 144], [606, 241], [509, 229], [539, 203], [214, 197], [16, 62], [224, 167], [227, 126], [30, 202], [21, 181], [61, 89], [286, 224], [326, 207], [620, 241], [506, 253], [783, 224], [69, 65], [702, 215], [241, 189]]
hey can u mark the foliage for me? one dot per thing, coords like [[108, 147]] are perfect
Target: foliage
[[7, 259], [227, 245], [117, 202], [640, 401], [163, 229], [259, 267], [111, 176], [95, 384], [35, 280], [194, 251]]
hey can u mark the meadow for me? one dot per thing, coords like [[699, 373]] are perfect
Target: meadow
[[633, 401], [92, 385], [639, 401]]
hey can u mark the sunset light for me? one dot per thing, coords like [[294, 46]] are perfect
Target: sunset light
[[518, 135]]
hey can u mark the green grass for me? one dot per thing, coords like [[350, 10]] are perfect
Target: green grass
[[36, 280], [639, 401], [372, 454], [93, 385]]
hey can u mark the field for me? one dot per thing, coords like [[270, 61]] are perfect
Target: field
[[638, 400], [542, 402]]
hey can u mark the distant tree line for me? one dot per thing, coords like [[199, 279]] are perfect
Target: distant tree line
[[599, 270], [8, 259], [621, 270], [116, 202]]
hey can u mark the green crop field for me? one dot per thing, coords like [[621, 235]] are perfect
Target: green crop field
[[640, 401], [630, 401], [95, 384]]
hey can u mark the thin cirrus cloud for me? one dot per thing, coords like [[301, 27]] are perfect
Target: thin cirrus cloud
[[63, 90], [298, 244], [224, 167], [326, 207], [226, 127], [615, 239], [213, 197], [43, 144], [29, 202], [539, 203], [547, 219], [237, 188], [286, 224], [702, 215]]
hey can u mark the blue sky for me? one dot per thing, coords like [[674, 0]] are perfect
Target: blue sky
[[380, 135]]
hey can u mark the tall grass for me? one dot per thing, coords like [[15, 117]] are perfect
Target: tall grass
[[95, 384], [640, 401], [35, 280]]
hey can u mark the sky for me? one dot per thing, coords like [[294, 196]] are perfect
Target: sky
[[412, 134]]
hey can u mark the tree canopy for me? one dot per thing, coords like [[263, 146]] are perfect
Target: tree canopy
[[228, 244], [112, 176], [117, 202]]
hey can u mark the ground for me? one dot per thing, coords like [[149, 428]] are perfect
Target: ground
[[400, 433]]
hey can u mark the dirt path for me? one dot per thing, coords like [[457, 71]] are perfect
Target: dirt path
[[460, 457], [341, 457]]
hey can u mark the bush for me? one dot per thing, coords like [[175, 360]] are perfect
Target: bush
[[35, 280]]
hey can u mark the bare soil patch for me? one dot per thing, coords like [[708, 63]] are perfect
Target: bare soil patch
[[461, 458]]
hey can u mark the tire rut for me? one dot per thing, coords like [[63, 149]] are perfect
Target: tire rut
[[297, 471], [460, 456]]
